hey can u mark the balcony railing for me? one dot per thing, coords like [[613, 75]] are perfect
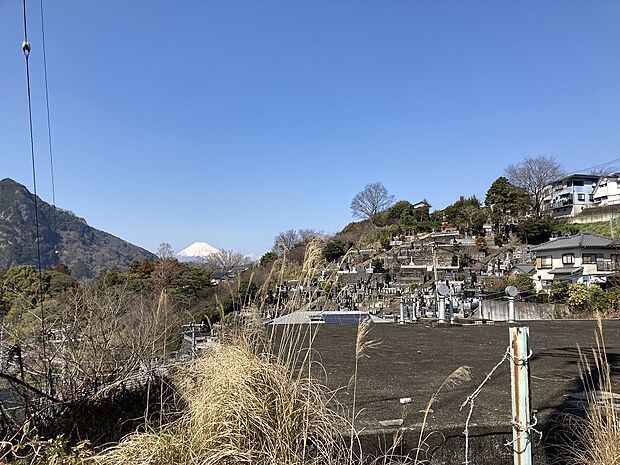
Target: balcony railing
[[607, 265], [563, 203]]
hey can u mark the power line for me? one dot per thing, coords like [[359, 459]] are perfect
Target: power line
[[608, 164], [599, 166], [26, 50], [47, 107]]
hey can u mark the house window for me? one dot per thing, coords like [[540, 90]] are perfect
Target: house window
[[581, 197], [588, 258], [578, 183], [591, 258], [545, 262], [568, 259]]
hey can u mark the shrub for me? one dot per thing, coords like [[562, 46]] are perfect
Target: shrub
[[523, 282], [377, 265], [384, 240], [558, 292], [582, 296], [608, 303], [333, 250]]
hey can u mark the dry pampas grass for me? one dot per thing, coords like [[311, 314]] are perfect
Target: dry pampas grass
[[240, 408]]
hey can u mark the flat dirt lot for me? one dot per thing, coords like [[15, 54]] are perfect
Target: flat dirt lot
[[414, 360]]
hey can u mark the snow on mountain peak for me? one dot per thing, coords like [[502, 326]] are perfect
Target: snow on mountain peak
[[198, 249]]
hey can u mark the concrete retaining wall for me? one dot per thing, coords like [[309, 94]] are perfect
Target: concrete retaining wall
[[497, 310], [596, 214]]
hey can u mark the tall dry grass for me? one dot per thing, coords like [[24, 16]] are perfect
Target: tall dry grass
[[241, 407], [599, 429]]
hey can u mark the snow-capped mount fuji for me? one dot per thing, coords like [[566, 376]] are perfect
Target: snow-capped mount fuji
[[197, 251]]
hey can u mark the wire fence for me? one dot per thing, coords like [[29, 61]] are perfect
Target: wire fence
[[522, 430]]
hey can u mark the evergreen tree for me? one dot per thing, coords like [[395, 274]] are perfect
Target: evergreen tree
[[505, 201]]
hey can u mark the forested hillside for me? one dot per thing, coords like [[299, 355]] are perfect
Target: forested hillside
[[65, 238]]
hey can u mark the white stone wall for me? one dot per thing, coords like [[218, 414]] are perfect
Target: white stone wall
[[497, 310]]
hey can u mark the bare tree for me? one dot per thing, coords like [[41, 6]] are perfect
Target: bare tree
[[99, 336], [306, 235], [285, 241], [165, 272], [533, 175], [165, 251], [226, 260], [372, 200]]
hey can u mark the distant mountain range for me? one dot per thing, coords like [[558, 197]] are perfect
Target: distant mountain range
[[64, 237], [197, 251]]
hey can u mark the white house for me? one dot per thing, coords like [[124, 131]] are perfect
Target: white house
[[607, 190], [422, 204], [582, 258], [568, 196]]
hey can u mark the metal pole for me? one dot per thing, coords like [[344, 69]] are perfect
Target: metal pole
[[442, 309], [511, 309], [435, 267], [520, 384], [194, 338]]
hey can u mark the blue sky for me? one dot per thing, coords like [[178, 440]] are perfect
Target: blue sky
[[230, 121]]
